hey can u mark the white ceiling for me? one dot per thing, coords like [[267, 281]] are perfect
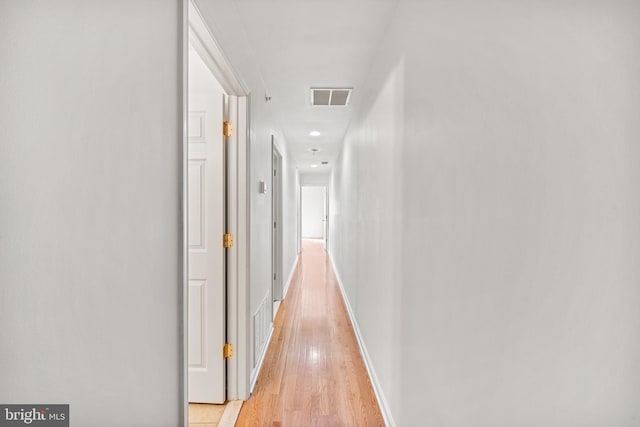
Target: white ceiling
[[298, 44]]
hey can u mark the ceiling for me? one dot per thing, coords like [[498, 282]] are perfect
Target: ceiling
[[299, 44]]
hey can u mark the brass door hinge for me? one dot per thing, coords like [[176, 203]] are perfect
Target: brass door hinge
[[227, 240], [227, 350], [227, 128]]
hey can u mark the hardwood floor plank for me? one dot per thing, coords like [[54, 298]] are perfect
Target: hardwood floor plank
[[313, 374]]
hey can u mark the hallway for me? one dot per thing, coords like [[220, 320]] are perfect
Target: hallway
[[481, 208], [313, 374]]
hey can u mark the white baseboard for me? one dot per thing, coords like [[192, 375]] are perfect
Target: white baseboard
[[377, 388], [291, 273], [256, 371]]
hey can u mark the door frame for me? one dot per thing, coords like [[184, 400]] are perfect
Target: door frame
[[326, 218], [197, 32], [277, 282], [298, 213]]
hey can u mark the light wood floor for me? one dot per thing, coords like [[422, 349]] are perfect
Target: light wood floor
[[313, 374]]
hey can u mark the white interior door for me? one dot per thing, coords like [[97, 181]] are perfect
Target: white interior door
[[206, 254]]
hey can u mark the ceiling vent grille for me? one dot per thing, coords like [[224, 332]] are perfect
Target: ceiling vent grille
[[331, 97]]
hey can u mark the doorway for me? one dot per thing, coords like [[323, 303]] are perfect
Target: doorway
[[215, 292], [314, 213], [206, 223], [276, 215]]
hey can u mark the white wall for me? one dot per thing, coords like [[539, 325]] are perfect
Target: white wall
[[289, 216], [486, 214], [313, 199], [226, 25], [315, 179], [90, 222], [365, 232]]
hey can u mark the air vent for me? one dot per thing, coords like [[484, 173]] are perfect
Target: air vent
[[333, 97]]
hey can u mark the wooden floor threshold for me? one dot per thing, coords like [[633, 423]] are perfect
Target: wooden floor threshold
[[205, 415]]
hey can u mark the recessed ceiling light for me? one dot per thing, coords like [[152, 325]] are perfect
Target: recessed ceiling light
[[314, 166], [314, 133]]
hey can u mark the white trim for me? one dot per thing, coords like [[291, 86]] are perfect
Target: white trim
[[277, 268], [231, 152], [299, 217], [204, 43], [285, 291], [377, 388], [325, 227], [242, 248], [256, 371], [184, 203], [326, 218], [237, 224], [202, 40]]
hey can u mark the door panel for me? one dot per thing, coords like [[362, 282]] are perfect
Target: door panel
[[206, 255], [197, 326], [197, 203]]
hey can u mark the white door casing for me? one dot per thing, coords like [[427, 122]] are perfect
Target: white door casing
[[326, 219], [238, 367], [276, 219], [206, 318], [313, 212]]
